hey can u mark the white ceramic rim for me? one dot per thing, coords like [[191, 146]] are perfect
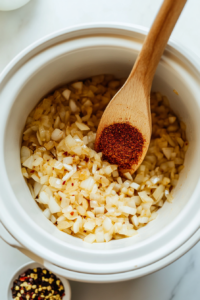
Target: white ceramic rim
[[32, 265], [24, 56], [190, 56]]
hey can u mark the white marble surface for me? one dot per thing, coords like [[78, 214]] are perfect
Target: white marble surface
[[18, 29]]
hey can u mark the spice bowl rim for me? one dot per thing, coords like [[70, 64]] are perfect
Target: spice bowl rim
[[33, 264]]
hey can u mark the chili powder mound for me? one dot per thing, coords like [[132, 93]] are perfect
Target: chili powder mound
[[121, 144]]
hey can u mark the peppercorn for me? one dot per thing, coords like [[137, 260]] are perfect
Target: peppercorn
[[121, 144]]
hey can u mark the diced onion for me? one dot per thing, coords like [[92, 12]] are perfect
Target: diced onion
[[145, 198], [66, 93], [37, 188], [82, 126], [76, 188], [57, 135], [44, 198], [74, 108], [47, 213], [90, 238], [53, 206], [87, 184]]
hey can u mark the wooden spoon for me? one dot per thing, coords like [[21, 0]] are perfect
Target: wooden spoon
[[124, 131]]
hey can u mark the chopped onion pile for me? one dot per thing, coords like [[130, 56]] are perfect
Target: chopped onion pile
[[77, 190]]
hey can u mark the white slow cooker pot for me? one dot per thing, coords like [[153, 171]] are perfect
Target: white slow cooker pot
[[76, 53]]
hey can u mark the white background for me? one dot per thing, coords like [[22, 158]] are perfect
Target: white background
[[18, 29]]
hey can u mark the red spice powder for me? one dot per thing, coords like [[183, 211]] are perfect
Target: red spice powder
[[121, 144]]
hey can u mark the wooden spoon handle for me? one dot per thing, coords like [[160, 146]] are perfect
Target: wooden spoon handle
[[156, 41]]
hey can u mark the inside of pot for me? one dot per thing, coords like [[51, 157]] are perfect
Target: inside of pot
[[48, 73]]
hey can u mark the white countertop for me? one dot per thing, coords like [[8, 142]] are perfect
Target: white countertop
[[18, 29]]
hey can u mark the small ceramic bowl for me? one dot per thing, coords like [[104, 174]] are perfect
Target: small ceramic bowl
[[32, 265]]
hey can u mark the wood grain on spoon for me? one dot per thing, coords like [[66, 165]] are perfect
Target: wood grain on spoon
[[131, 105]]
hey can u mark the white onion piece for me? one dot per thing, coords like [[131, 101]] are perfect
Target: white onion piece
[[48, 191], [107, 224], [167, 152], [145, 198], [131, 203], [156, 179], [159, 192], [35, 177], [77, 224], [69, 175], [172, 119], [37, 188], [57, 135], [55, 182], [87, 184], [128, 176], [67, 209], [82, 126], [134, 185], [90, 238], [44, 179], [74, 108], [68, 160], [44, 198], [93, 204], [143, 220], [69, 141], [128, 210], [99, 210], [53, 206], [63, 225], [66, 93], [68, 167], [47, 213], [89, 225], [135, 221], [99, 237], [28, 162], [37, 161], [25, 152], [78, 85], [61, 218], [53, 219], [58, 165]]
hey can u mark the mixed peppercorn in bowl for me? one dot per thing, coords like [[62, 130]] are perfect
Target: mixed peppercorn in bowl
[[34, 282], [76, 188], [37, 284]]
